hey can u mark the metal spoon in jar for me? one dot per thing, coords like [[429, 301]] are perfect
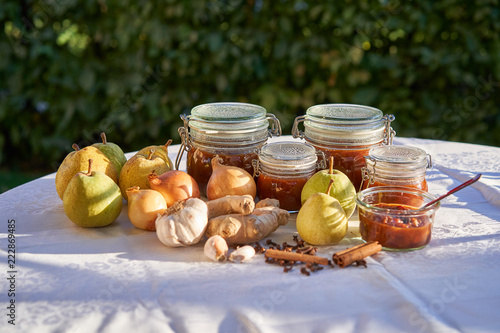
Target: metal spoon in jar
[[458, 188]]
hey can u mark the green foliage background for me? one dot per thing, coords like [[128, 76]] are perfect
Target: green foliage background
[[71, 69]]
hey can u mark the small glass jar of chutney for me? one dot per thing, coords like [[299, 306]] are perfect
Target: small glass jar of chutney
[[233, 131], [283, 168]]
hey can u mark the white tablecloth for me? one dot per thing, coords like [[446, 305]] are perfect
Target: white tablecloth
[[122, 279]]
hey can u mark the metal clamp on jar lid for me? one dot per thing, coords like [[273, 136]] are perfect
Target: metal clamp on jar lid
[[230, 124], [288, 158], [349, 124], [396, 162]]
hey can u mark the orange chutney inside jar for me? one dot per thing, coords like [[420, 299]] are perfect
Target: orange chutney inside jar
[[395, 231], [199, 166], [350, 161], [282, 169], [286, 190]]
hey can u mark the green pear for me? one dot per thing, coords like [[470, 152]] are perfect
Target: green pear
[[136, 170], [321, 220], [161, 150], [112, 151], [92, 199], [343, 190], [77, 161]]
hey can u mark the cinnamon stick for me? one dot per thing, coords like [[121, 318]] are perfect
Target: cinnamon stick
[[293, 256], [346, 257]]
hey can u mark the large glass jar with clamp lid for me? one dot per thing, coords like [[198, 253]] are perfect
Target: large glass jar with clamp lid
[[396, 166], [345, 132], [233, 131], [283, 168]]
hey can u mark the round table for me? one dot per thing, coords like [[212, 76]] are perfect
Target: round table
[[123, 279]]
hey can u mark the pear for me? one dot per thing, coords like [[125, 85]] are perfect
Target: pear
[[343, 190], [161, 151], [77, 161], [136, 170], [92, 199], [112, 151], [321, 220]]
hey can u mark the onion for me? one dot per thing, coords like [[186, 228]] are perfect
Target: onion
[[229, 180], [174, 185], [144, 206]]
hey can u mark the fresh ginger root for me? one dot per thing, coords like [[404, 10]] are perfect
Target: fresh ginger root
[[244, 229], [268, 202], [230, 204]]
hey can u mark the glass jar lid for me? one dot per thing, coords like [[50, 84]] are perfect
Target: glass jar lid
[[228, 112], [345, 116], [229, 123], [399, 155], [397, 162], [348, 124], [288, 154]]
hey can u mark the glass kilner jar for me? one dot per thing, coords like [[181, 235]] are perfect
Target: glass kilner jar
[[396, 165], [283, 168], [345, 132], [234, 131]]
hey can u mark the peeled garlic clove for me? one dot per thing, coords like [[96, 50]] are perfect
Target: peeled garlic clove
[[229, 180], [242, 254], [216, 248], [144, 206]]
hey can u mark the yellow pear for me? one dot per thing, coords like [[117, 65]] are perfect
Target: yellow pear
[[112, 151], [77, 161], [321, 219], [161, 150], [92, 199], [343, 190], [136, 170]]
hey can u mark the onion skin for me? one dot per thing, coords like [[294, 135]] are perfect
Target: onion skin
[[174, 185], [229, 180], [144, 206]]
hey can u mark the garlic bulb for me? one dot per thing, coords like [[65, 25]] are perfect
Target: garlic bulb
[[242, 253], [216, 248], [183, 224], [229, 180], [174, 185], [144, 206]]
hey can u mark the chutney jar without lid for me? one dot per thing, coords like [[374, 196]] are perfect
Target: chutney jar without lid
[[345, 132], [233, 131], [283, 168], [396, 165]]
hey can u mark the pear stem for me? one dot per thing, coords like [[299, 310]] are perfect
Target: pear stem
[[330, 186], [75, 147], [89, 173], [151, 152], [330, 171], [168, 143], [103, 137]]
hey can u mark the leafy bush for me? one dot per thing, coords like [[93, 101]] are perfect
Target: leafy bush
[[71, 69]]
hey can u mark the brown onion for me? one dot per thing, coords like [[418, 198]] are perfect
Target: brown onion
[[229, 180], [174, 185], [144, 206]]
